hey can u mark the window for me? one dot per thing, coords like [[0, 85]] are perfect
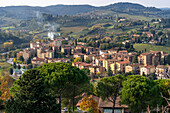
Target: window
[[110, 110]]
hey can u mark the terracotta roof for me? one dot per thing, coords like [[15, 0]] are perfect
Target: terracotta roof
[[124, 62], [123, 51], [161, 66], [150, 66], [145, 53], [38, 59]]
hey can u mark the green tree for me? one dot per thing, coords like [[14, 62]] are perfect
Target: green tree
[[1, 101], [109, 88], [30, 94], [19, 67], [164, 87], [29, 61], [21, 58], [109, 72], [135, 59], [65, 80], [11, 71], [14, 65], [138, 92]]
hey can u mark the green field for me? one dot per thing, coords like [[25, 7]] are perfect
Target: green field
[[140, 47], [10, 27]]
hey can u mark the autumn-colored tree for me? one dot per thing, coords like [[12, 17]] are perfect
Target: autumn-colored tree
[[89, 104], [78, 60], [6, 83]]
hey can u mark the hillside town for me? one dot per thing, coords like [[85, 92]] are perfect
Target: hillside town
[[97, 61]]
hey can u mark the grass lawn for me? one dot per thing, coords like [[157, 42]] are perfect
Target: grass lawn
[[140, 47], [4, 64], [73, 29]]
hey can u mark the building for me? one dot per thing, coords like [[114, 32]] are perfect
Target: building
[[45, 53], [28, 53], [132, 67], [162, 72], [119, 66], [38, 61], [105, 106], [145, 59], [147, 70]]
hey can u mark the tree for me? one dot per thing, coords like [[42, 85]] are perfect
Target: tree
[[11, 71], [19, 67], [78, 59], [1, 101], [14, 65], [138, 92], [89, 104], [135, 59], [164, 87], [109, 88], [65, 80], [29, 61], [6, 84], [21, 58], [109, 72], [30, 94]]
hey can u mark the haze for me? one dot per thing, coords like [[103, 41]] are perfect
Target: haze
[[153, 3]]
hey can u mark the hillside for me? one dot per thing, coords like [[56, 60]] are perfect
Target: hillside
[[140, 47], [27, 12]]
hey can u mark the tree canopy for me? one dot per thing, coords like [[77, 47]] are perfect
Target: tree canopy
[[64, 79], [138, 92], [30, 94]]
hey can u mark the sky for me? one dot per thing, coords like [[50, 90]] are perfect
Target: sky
[[153, 3]]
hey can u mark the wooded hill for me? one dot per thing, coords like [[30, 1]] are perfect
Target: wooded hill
[[27, 12]]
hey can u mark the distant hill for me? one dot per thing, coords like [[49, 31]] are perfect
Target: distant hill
[[28, 12], [165, 8]]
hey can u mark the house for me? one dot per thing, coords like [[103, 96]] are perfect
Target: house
[[45, 53], [132, 67], [38, 61], [81, 65], [28, 53], [99, 62], [89, 49], [145, 59], [147, 70], [78, 55], [123, 52], [108, 62], [34, 45], [81, 43], [105, 106], [66, 49], [64, 60], [88, 57], [162, 72], [119, 66]]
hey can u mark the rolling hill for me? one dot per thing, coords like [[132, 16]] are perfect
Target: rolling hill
[[28, 12]]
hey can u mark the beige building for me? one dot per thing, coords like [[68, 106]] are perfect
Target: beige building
[[38, 61], [147, 70], [45, 53], [145, 59], [119, 66], [132, 67], [162, 72]]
